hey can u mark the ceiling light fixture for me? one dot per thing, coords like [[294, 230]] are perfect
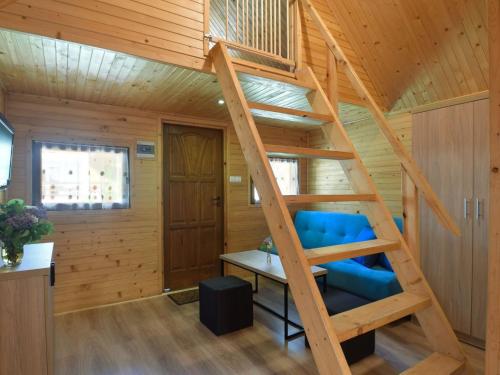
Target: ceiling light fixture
[[220, 102]]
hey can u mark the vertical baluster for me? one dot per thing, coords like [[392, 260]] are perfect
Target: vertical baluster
[[279, 27], [273, 18], [262, 21], [227, 19], [257, 23], [288, 29], [247, 42], [237, 21], [298, 36], [253, 23], [266, 24]]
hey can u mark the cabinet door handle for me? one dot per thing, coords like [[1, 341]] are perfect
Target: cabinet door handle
[[479, 214], [466, 208]]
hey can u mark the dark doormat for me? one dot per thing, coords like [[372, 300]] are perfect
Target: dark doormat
[[185, 296]]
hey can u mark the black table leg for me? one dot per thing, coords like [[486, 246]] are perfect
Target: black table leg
[[222, 267], [256, 283], [285, 297]]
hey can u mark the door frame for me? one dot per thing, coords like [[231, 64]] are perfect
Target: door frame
[[164, 122]]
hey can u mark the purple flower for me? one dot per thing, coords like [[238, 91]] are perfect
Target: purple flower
[[38, 212], [22, 221]]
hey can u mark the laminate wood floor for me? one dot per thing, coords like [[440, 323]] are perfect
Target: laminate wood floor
[[156, 336]]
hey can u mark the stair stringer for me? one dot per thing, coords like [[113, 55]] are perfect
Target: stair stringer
[[324, 343], [433, 320]]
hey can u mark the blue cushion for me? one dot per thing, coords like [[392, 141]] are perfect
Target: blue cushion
[[366, 234], [369, 277], [371, 283], [318, 229]]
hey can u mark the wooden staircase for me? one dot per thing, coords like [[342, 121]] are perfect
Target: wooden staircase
[[324, 332]]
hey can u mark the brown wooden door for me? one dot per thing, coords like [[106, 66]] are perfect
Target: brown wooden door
[[443, 147], [193, 204]]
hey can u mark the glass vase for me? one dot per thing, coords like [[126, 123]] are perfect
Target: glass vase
[[11, 257]]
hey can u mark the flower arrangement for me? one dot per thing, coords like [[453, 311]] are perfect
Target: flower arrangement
[[267, 246], [19, 225]]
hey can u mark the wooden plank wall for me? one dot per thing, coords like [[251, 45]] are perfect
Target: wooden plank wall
[[315, 54], [418, 52], [246, 223], [493, 313], [170, 31], [113, 256], [102, 256], [327, 177], [165, 30]]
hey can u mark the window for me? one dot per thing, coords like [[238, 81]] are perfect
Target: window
[[286, 172], [80, 177]]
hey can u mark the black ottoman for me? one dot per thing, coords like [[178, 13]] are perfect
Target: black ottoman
[[226, 304], [359, 347]]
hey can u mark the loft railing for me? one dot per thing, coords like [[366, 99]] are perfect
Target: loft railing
[[268, 27]]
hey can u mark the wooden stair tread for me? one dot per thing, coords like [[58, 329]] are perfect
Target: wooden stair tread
[[366, 318], [436, 364], [270, 73], [325, 198], [327, 254], [288, 114], [304, 152]]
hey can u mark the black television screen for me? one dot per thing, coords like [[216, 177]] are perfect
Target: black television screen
[[6, 151]]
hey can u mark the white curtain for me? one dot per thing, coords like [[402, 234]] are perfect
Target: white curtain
[[84, 176], [286, 172]]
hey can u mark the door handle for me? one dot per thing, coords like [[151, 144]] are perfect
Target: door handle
[[479, 214], [217, 201], [466, 208]]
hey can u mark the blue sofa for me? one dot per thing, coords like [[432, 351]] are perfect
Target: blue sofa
[[370, 277]]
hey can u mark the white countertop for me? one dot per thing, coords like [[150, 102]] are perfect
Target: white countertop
[[36, 261]]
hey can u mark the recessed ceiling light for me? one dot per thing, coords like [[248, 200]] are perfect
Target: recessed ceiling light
[[220, 102]]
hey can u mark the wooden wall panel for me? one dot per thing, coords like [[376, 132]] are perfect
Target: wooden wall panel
[[106, 257], [315, 54], [246, 226], [327, 177], [418, 52], [493, 324], [102, 256], [167, 31], [170, 31]]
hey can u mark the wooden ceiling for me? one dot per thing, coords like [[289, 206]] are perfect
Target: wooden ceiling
[[37, 65], [417, 52]]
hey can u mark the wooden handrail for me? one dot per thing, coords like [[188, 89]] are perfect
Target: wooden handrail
[[404, 156]]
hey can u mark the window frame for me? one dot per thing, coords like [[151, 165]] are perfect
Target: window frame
[[36, 169], [252, 200]]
